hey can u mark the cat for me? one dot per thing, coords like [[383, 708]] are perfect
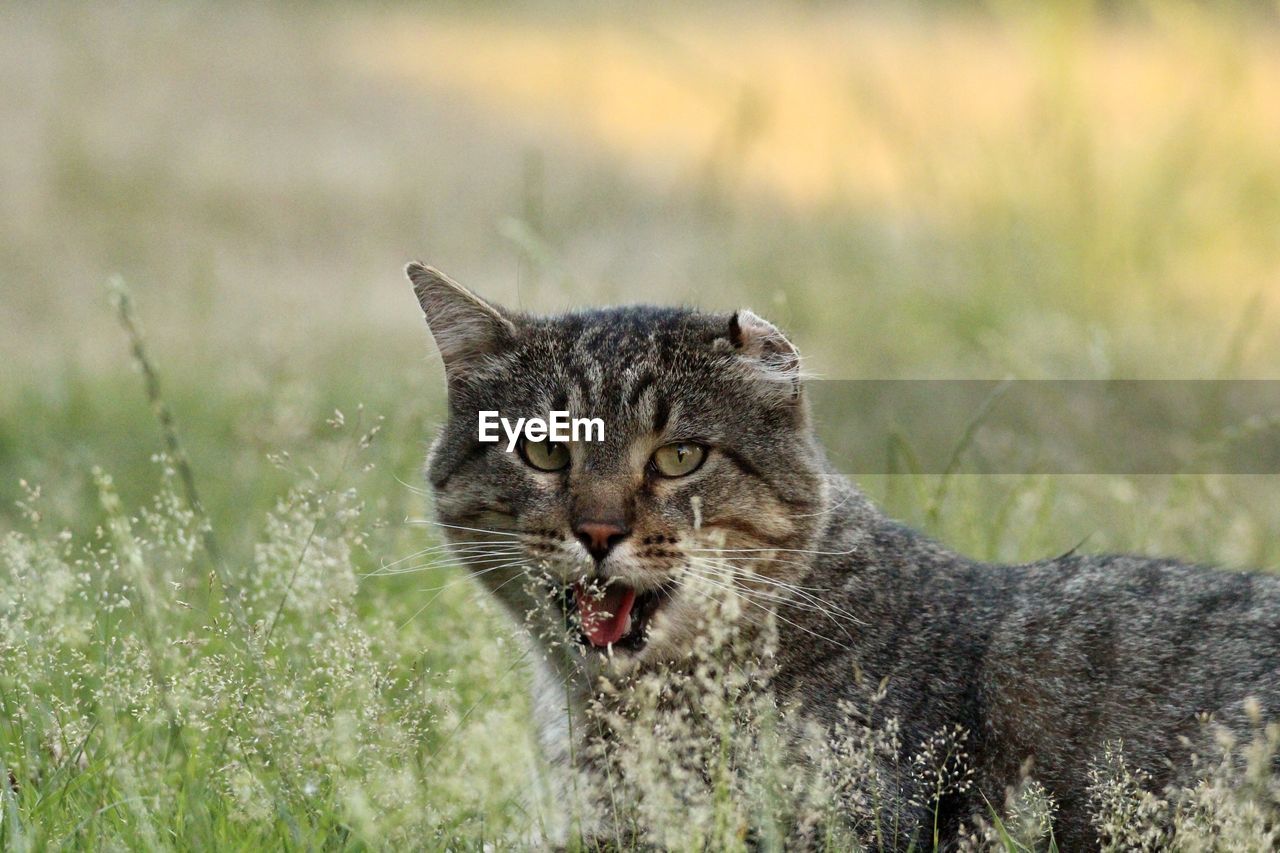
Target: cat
[[709, 451]]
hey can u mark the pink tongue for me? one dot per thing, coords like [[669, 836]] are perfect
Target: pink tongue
[[604, 617]]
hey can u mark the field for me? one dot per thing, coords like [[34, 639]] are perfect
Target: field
[[916, 191]]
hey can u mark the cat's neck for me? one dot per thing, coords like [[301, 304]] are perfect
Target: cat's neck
[[866, 574]]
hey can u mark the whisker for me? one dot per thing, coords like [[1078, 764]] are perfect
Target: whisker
[[468, 577], [446, 546], [446, 560], [796, 625], [803, 592], [523, 573], [811, 606], [744, 571], [417, 490], [511, 533], [760, 555], [779, 550], [445, 563], [800, 601], [440, 590], [780, 561], [776, 615], [495, 547]]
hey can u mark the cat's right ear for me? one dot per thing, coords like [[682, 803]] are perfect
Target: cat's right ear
[[772, 357], [466, 328]]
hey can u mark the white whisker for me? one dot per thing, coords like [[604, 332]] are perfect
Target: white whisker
[[447, 560], [779, 550], [805, 593], [417, 490], [774, 612], [511, 533], [445, 546], [444, 563], [812, 607], [440, 590]]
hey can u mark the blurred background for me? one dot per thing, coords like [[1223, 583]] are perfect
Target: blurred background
[[918, 190]]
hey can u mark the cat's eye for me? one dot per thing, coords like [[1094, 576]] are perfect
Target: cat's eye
[[678, 458], [545, 455]]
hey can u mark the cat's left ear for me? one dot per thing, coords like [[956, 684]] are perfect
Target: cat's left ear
[[466, 328], [765, 347]]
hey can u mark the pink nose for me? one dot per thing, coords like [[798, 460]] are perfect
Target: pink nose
[[599, 537]]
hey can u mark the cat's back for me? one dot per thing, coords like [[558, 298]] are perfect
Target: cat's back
[[1135, 655], [1045, 665], [1152, 632]]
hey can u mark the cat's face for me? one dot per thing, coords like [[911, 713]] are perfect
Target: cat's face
[[707, 478]]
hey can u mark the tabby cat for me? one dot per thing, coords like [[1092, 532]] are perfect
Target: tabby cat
[[709, 453]]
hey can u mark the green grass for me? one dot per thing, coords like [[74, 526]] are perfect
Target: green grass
[[260, 191]]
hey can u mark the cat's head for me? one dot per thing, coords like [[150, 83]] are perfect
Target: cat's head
[[707, 470]]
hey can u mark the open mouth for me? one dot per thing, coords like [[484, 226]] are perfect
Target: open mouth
[[614, 614]]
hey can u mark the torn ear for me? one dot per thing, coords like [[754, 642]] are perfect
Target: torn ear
[[765, 347], [465, 327]]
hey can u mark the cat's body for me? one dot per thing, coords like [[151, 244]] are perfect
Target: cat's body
[[1043, 665], [709, 472]]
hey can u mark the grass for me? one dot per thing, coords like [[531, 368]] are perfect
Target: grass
[[924, 192]]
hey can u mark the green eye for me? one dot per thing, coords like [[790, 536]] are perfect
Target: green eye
[[678, 458], [545, 455]]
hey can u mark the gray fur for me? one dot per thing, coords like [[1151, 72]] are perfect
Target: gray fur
[[1042, 664]]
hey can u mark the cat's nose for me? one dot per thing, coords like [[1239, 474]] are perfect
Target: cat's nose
[[599, 537]]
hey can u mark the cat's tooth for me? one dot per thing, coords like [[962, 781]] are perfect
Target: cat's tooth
[[626, 626]]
